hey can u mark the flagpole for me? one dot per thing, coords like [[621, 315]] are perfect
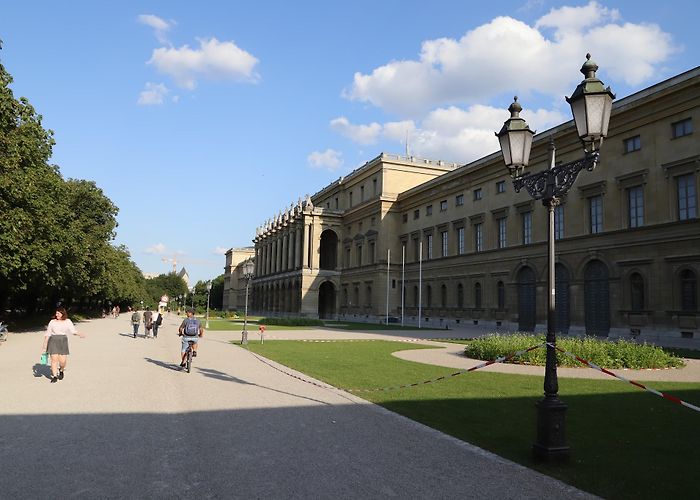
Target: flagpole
[[388, 269], [420, 280], [403, 279]]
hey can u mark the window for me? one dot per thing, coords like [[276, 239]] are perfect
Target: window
[[681, 128], [460, 240], [362, 193], [416, 296], [345, 297], [429, 244], [501, 295], [359, 255], [527, 228], [501, 187], [350, 198], [477, 295], [459, 200], [359, 226], [429, 210], [429, 296], [637, 292], [632, 144], [689, 291], [443, 206], [460, 296], [416, 214], [635, 198], [368, 296], [502, 232], [559, 222], [373, 221], [478, 237], [687, 197], [443, 243], [357, 296], [336, 203], [374, 187], [404, 218], [596, 213], [371, 252], [416, 249], [443, 296], [477, 194]]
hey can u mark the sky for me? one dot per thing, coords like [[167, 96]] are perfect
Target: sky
[[201, 120]]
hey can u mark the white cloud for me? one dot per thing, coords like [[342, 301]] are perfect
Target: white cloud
[[157, 249], [460, 135], [362, 134], [220, 251], [213, 60], [508, 55], [329, 159], [160, 26], [153, 94]]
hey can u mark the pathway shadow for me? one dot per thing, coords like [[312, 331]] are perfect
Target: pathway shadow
[[169, 366], [40, 370]]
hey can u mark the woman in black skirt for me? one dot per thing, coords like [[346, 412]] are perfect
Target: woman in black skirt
[[56, 342]]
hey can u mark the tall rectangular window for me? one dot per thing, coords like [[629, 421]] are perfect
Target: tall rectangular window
[[635, 199], [478, 237], [443, 205], [460, 240], [347, 257], [681, 128], [371, 252], [687, 197], [359, 255], [502, 243], [443, 243], [429, 210], [374, 187], [459, 200], [404, 218], [336, 203], [559, 222], [501, 187], [595, 204], [416, 249], [632, 144], [477, 194], [416, 214], [362, 193], [429, 245], [350, 199], [527, 228]]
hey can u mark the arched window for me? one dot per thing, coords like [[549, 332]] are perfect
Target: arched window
[[477, 295], [637, 292], [443, 296], [368, 298], [357, 296], [429, 293], [415, 296], [501, 295], [689, 291], [345, 297], [460, 296]]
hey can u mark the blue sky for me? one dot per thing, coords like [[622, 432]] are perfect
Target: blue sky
[[200, 120]]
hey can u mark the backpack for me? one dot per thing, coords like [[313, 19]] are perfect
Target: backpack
[[159, 319], [191, 327], [136, 318]]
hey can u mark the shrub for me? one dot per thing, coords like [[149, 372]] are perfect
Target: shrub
[[290, 321], [602, 352]]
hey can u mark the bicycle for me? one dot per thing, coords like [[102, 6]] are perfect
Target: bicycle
[[188, 356]]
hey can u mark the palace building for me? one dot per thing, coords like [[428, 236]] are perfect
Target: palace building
[[456, 243]]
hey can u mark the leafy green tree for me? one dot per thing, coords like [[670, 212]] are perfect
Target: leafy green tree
[[169, 284]]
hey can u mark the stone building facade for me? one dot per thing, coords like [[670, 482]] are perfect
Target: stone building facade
[[628, 235], [234, 283]]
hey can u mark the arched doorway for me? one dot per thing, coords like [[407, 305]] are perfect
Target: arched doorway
[[329, 250], [527, 314], [561, 298], [326, 300], [596, 291]]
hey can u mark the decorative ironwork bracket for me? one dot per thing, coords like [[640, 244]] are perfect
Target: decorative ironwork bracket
[[551, 184]]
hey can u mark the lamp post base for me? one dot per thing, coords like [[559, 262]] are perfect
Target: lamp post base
[[244, 337], [551, 432]]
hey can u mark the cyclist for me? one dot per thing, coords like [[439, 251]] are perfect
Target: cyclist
[[190, 330]]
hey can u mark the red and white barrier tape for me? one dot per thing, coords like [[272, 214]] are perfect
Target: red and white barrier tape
[[642, 386]]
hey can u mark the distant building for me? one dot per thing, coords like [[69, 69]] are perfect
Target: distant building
[[185, 277], [150, 276], [234, 284]]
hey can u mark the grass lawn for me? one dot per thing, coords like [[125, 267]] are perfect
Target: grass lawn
[[351, 325], [625, 442], [237, 325]]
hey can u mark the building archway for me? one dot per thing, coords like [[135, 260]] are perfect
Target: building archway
[[596, 291], [527, 312], [329, 250], [326, 300]]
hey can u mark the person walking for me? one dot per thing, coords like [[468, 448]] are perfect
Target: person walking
[[156, 324], [56, 342], [135, 321], [147, 323]]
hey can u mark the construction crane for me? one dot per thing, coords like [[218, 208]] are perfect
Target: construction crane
[[172, 259]]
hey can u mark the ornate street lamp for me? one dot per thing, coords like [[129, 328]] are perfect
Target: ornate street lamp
[[247, 272], [591, 104], [208, 294]]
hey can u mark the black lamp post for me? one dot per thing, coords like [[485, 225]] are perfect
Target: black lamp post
[[208, 295], [591, 104], [248, 274]]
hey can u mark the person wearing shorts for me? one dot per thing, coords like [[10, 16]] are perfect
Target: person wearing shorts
[[56, 342], [186, 330]]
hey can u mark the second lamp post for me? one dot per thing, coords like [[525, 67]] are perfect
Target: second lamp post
[[591, 104]]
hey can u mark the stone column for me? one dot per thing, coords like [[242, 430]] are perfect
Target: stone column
[[283, 254]]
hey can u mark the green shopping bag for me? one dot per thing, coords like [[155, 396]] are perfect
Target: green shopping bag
[[44, 360]]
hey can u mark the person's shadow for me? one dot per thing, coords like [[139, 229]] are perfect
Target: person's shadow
[[169, 366], [41, 370]]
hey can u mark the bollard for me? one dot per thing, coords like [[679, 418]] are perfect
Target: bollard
[[244, 337]]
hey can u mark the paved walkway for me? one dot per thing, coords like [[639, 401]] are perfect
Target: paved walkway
[[126, 423]]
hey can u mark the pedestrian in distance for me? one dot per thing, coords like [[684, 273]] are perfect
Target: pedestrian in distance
[[191, 330], [147, 323], [135, 321], [156, 324], [56, 342]]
